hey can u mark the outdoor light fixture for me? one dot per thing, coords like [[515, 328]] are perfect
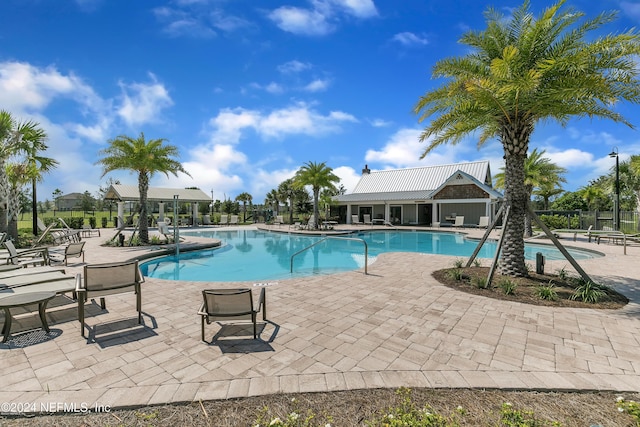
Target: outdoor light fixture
[[614, 153]]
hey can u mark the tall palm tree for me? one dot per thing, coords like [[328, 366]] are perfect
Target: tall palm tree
[[145, 158], [547, 191], [538, 171], [522, 71], [318, 176], [286, 191], [244, 198], [273, 199], [32, 144]]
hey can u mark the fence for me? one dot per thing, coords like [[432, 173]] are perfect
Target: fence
[[597, 220]]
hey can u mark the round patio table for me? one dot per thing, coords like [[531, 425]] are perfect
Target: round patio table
[[21, 300]]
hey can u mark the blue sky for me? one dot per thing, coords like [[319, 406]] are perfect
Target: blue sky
[[250, 90]]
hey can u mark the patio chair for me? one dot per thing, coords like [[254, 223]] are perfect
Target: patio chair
[[459, 222], [483, 222], [87, 231], [108, 279], [233, 220], [231, 304], [72, 250], [355, 219], [224, 219], [26, 257], [366, 219], [279, 220]]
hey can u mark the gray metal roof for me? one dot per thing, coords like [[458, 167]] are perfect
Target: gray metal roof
[[384, 197], [155, 194], [419, 179]]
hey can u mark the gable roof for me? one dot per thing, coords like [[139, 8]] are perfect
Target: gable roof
[[414, 183], [461, 178], [155, 194]]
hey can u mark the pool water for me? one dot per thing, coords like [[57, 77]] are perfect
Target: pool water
[[255, 255]]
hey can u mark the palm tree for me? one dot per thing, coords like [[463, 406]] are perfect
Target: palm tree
[[522, 71], [273, 199], [32, 143], [286, 191], [538, 172], [318, 176], [244, 198], [144, 157], [547, 191]]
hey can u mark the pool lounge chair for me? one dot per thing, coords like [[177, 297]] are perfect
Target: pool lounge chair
[[459, 221], [233, 220], [483, 222], [26, 257], [231, 304], [366, 219], [224, 219], [355, 219], [108, 279], [72, 250]]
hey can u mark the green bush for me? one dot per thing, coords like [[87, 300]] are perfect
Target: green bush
[[92, 221], [104, 222], [547, 292], [588, 292], [560, 221], [508, 286]]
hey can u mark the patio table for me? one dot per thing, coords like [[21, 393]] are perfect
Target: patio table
[[21, 300]]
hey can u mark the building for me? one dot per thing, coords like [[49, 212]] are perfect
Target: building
[[69, 201], [430, 195]]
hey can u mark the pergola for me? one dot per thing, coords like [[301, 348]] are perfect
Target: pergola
[[130, 193]]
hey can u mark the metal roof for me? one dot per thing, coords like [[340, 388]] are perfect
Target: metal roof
[[155, 194], [419, 179]]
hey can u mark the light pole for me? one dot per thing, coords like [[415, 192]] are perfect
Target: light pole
[[614, 153], [212, 204]]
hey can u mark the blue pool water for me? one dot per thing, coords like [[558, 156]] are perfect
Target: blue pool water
[[254, 255]]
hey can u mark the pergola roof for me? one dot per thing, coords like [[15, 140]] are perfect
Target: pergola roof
[[126, 193]]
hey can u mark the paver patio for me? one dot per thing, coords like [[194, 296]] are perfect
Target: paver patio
[[396, 326]]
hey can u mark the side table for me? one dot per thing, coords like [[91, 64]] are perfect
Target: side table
[[21, 300]]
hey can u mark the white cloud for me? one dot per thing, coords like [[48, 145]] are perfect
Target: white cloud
[[631, 9], [274, 88], [143, 102], [296, 119], [348, 177], [25, 87], [181, 23], [379, 123], [301, 21], [402, 150], [358, 8], [410, 39], [294, 66], [317, 85]]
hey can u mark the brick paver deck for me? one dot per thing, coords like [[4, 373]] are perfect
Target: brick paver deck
[[396, 326]]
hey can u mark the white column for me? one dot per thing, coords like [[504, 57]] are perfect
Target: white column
[[194, 213], [160, 211], [387, 212], [348, 214], [120, 214], [434, 215]]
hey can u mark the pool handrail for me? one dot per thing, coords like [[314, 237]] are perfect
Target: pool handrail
[[366, 249]]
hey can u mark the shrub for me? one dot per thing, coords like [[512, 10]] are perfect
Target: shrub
[[560, 221], [480, 282], [458, 263], [508, 286], [104, 222], [630, 407], [477, 263], [547, 292], [588, 292], [456, 274], [92, 221], [562, 274]]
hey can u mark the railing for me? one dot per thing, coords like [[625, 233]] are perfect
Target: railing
[[366, 249]]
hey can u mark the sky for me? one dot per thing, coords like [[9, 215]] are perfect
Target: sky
[[251, 90]]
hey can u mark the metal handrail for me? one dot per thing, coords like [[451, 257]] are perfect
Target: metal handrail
[[366, 249]]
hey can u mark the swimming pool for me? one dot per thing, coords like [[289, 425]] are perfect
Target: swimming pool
[[256, 255]]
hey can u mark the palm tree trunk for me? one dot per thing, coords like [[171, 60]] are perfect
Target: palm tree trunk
[[143, 188], [515, 141], [316, 211]]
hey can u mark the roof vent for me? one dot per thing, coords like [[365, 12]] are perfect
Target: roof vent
[[366, 170]]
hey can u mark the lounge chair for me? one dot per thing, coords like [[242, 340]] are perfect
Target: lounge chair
[[459, 221], [72, 250], [483, 222], [26, 257], [108, 279], [231, 304], [87, 231], [279, 220], [355, 219], [224, 219], [366, 219], [233, 220]]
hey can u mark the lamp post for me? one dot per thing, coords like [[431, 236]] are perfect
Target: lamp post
[[212, 204], [614, 153]]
